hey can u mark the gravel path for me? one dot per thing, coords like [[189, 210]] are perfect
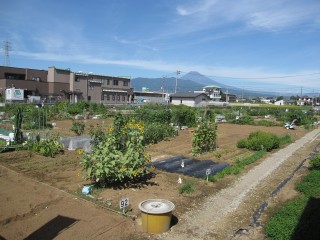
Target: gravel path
[[202, 223]]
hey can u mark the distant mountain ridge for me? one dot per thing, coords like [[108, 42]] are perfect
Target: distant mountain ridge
[[192, 81], [168, 84]]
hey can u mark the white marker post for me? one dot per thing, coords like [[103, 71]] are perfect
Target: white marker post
[[208, 172], [182, 165], [123, 204]]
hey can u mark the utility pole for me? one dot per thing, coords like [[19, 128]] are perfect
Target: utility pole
[[163, 98], [175, 90], [6, 48]]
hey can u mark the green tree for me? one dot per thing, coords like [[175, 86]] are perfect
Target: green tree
[[279, 98]]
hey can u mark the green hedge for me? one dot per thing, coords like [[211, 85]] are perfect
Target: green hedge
[[260, 141]]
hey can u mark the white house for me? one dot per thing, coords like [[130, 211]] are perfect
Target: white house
[[305, 100], [214, 92], [190, 99], [279, 103]]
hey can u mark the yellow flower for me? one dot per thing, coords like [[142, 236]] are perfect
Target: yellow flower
[[80, 151]]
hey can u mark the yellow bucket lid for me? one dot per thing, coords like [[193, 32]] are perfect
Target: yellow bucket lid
[[156, 206]]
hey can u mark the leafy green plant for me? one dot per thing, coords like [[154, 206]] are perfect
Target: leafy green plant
[[284, 221], [120, 157], [97, 134], [156, 132], [154, 114], [287, 222], [310, 186], [77, 127], [18, 117], [204, 138], [259, 140], [184, 116], [315, 161], [36, 118], [187, 188], [47, 147]]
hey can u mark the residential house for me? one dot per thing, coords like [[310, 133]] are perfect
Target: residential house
[[214, 92], [279, 103], [305, 100], [190, 99]]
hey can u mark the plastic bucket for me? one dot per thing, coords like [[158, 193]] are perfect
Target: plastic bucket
[[156, 215]]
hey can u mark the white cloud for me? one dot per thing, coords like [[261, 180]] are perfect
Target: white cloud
[[136, 43], [243, 77], [200, 7], [264, 15]]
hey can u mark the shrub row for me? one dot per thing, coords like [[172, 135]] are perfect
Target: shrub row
[[259, 140]]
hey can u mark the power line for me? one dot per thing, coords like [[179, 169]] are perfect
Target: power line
[[6, 48]]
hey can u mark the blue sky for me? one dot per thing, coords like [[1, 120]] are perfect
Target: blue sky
[[255, 44]]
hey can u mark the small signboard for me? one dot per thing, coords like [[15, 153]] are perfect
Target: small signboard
[[123, 204], [208, 172]]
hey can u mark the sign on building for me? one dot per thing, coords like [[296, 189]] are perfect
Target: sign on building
[[14, 94]]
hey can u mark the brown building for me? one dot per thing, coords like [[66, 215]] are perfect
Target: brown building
[[57, 84]]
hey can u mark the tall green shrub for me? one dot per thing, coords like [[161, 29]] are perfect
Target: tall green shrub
[[184, 116], [204, 138], [260, 141]]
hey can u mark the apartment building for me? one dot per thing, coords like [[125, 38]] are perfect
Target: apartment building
[[57, 84]]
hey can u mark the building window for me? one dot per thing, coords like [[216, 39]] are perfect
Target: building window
[[123, 98], [115, 82], [108, 82], [14, 76], [33, 78], [113, 97], [118, 97], [77, 79], [125, 83], [108, 97]]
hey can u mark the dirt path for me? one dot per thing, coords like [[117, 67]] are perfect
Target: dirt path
[[215, 218]]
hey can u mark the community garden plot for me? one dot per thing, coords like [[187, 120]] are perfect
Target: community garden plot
[[189, 166]]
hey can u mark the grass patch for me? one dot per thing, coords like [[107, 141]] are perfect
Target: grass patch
[[298, 219], [187, 188], [284, 140], [238, 166]]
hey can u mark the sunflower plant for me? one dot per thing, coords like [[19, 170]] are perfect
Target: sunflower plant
[[120, 157]]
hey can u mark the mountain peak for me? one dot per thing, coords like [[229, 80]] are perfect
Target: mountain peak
[[199, 78]]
